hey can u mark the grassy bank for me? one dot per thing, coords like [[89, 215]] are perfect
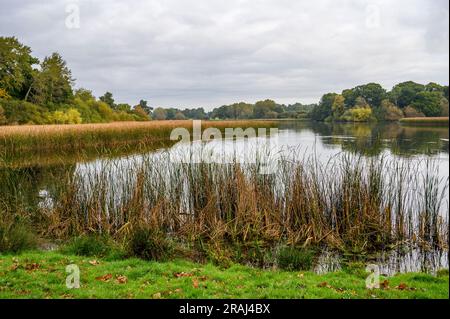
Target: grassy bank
[[43, 275], [426, 121]]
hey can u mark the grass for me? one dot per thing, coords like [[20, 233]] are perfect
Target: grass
[[43, 275], [426, 120]]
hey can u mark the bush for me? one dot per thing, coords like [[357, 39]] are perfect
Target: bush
[[149, 244], [412, 112], [292, 258], [89, 245], [358, 114], [390, 111], [20, 112], [16, 236]]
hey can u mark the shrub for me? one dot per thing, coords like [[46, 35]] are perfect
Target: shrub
[[412, 112], [149, 244], [292, 258], [70, 116], [358, 114], [2, 116], [88, 245], [20, 112], [16, 236], [390, 111]]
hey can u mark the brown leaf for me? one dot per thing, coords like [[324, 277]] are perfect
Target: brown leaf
[[14, 266], [402, 286], [384, 285], [31, 267], [323, 284], [195, 283], [104, 278], [122, 279]]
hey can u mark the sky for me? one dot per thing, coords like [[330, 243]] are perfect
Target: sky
[[206, 53]]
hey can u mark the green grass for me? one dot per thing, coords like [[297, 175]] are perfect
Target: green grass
[[42, 275]]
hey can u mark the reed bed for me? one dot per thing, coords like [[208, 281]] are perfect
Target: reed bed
[[348, 203], [109, 135], [426, 120]]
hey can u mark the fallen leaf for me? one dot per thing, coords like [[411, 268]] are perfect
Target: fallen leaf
[[178, 290], [384, 285], [104, 278], [94, 262], [402, 286], [323, 284], [14, 267], [301, 275], [31, 267], [122, 279], [195, 283]]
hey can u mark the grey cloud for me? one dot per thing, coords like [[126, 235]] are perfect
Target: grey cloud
[[208, 52]]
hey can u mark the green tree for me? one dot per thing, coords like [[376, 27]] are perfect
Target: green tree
[[429, 103], [262, 108], [403, 94], [56, 80], [373, 93], [16, 67], [324, 109], [108, 99]]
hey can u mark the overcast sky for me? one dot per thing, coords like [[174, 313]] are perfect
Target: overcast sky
[[188, 53]]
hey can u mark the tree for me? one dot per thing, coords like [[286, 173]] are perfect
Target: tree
[[179, 116], [373, 93], [338, 105], [403, 94], [324, 109], [108, 99], [429, 103], [390, 112], [56, 80], [123, 107], [141, 113], [264, 107], [144, 105], [16, 67], [159, 114]]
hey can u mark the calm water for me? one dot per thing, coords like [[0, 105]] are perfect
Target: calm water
[[35, 185]]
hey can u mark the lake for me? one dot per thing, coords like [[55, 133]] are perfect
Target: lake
[[38, 185]]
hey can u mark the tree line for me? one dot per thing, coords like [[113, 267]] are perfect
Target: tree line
[[42, 92], [372, 102]]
